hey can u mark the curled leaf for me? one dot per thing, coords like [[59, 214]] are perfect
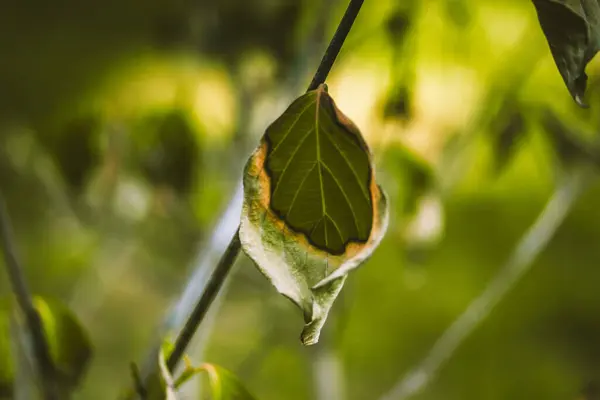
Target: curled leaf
[[572, 29], [312, 209]]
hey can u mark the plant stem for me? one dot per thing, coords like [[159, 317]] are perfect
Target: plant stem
[[233, 249], [210, 292], [336, 43], [533, 242], [22, 294]]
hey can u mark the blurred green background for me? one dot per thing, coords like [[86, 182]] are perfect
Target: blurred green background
[[124, 126]]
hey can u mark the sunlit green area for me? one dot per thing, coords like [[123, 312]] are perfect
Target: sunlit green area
[[124, 128]]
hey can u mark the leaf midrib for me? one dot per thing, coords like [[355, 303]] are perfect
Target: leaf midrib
[[323, 208]]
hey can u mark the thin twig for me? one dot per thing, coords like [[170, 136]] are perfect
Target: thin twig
[[21, 291], [210, 292], [222, 270], [531, 245], [336, 43]]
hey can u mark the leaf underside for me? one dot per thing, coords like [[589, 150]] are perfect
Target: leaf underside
[[312, 209], [572, 29]]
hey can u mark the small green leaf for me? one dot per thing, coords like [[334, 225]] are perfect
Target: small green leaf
[[224, 385], [572, 29], [70, 347], [312, 208], [7, 372]]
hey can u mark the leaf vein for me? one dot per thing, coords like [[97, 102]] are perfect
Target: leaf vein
[[299, 189], [318, 145], [335, 225], [292, 156], [345, 197], [293, 124], [362, 188]]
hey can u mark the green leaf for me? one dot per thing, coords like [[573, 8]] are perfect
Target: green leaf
[[7, 372], [312, 208], [70, 347], [572, 28], [224, 385]]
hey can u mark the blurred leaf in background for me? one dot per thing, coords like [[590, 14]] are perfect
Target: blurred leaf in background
[[572, 28], [69, 344]]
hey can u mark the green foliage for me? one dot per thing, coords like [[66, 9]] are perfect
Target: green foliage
[[572, 28], [224, 385], [6, 365], [311, 205], [70, 346]]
